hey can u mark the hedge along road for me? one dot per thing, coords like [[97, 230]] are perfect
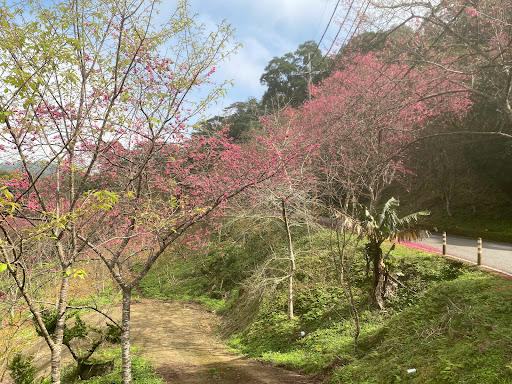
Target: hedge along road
[[495, 256]]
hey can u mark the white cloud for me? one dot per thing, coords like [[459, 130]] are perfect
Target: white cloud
[[245, 69], [247, 66], [294, 13], [291, 12], [266, 28]]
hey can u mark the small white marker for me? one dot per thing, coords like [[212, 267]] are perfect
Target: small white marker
[[412, 370]]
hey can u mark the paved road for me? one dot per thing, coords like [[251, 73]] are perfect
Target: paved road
[[495, 256]]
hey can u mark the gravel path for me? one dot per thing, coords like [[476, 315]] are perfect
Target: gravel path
[[180, 340]]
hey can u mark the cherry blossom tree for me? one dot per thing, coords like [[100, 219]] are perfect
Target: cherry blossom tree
[[469, 38], [360, 117], [288, 199], [362, 114], [95, 107]]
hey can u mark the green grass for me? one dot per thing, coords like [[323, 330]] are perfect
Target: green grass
[[322, 333], [211, 276], [457, 332], [106, 297]]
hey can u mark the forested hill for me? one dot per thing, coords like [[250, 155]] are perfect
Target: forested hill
[[457, 167], [36, 167]]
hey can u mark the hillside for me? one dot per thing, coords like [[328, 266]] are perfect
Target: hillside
[[446, 321]]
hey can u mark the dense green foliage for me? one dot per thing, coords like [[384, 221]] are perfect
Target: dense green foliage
[[242, 120], [22, 370], [286, 77], [212, 275], [479, 208]]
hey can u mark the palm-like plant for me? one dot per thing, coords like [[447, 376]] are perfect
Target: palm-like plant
[[386, 226]]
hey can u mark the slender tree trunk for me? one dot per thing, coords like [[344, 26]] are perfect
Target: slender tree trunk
[[34, 310], [346, 284], [56, 352], [346, 204], [368, 258], [355, 315], [291, 257], [66, 261], [290, 291], [125, 336], [379, 283], [346, 281], [56, 348], [447, 198]]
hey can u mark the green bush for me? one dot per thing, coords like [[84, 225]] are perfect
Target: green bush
[[142, 371], [22, 370]]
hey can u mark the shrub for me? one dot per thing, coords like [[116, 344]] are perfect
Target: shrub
[[22, 370]]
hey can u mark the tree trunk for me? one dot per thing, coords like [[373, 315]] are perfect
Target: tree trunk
[[291, 257], [125, 336], [354, 312], [448, 210], [447, 196], [56, 348], [290, 290], [55, 359], [379, 283]]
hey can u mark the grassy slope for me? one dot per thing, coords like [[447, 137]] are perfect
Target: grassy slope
[[211, 276], [457, 332], [451, 323]]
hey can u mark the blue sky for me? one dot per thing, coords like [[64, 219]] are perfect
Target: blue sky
[[266, 28]]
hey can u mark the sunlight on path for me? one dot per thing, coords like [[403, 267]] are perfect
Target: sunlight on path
[[179, 339]]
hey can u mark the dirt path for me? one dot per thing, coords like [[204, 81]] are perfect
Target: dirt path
[[179, 339]]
